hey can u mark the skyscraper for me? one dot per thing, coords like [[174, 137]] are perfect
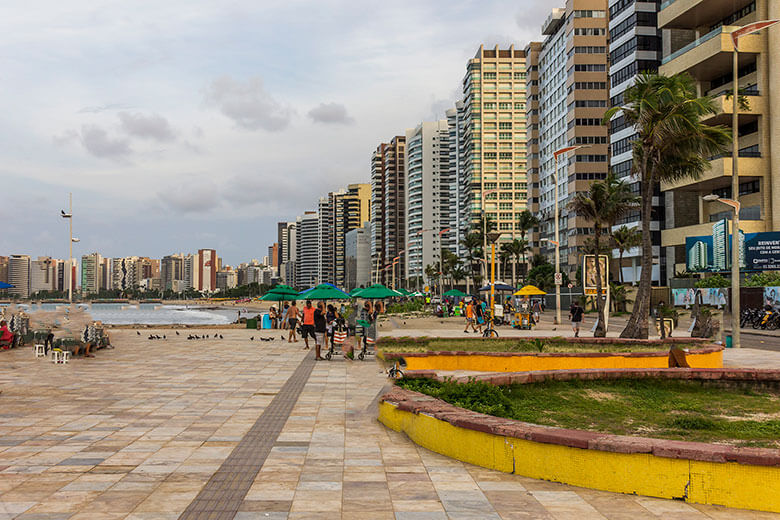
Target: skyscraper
[[388, 205], [208, 266], [572, 97], [697, 40], [634, 48], [171, 271], [427, 195], [307, 250], [492, 140], [698, 259], [91, 273], [19, 275]]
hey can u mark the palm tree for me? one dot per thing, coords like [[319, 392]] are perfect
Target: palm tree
[[672, 144], [625, 238], [505, 256], [526, 222], [603, 203]]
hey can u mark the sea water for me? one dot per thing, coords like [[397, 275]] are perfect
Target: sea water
[[148, 313]]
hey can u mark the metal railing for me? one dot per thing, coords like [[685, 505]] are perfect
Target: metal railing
[[695, 43]]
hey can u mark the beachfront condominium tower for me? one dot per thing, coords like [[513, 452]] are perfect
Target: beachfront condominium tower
[[491, 141], [171, 272], [388, 207], [208, 265], [19, 275], [307, 259], [697, 40], [428, 203], [287, 246], [91, 273], [351, 209], [634, 48], [43, 274], [572, 96]]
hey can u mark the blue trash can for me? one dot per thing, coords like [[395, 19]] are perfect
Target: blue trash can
[[266, 322], [728, 341]]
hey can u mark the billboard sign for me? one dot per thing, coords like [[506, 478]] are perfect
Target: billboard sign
[[712, 253], [589, 273]]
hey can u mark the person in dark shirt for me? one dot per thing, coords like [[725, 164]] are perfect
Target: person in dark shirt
[[575, 315], [320, 329]]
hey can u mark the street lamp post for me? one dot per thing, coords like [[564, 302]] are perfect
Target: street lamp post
[[484, 226], [494, 236], [441, 266], [735, 247], [419, 234], [69, 217], [735, 306], [557, 240]]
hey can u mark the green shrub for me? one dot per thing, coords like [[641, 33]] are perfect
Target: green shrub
[[765, 279], [714, 281], [405, 307], [692, 423], [475, 395]]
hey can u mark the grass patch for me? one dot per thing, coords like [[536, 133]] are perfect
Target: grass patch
[[510, 345], [667, 409]]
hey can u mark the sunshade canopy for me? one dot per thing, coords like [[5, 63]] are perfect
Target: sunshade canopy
[[455, 292], [324, 291], [284, 289], [376, 292], [279, 297], [4, 285], [530, 290], [500, 286]]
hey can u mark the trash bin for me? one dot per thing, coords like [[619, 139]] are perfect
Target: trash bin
[[728, 341], [251, 323]]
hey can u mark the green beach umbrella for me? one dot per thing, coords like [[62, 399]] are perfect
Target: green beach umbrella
[[376, 292], [279, 297], [455, 292], [284, 289], [404, 292], [356, 290], [324, 291]]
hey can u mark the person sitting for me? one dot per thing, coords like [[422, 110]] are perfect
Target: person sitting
[[89, 340], [7, 338]]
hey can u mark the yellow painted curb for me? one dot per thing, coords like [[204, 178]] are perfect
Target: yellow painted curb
[[728, 484]]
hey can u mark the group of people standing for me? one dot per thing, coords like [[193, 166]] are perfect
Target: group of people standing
[[320, 322]]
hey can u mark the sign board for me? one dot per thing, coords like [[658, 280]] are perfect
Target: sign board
[[558, 278], [712, 253], [589, 273], [772, 296], [427, 289], [709, 296]]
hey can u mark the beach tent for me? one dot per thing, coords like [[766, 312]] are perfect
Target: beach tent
[[530, 290]]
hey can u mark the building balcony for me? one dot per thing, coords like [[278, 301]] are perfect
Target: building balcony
[[710, 56], [676, 236], [719, 174], [684, 14], [725, 105]]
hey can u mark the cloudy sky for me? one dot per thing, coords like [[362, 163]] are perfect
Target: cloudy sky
[[181, 125]]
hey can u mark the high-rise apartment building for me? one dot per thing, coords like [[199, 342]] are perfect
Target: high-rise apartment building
[[4, 269], [326, 237], [491, 129], [19, 275], [91, 273], [287, 253], [697, 40], [351, 209], [388, 205], [634, 48], [208, 266], [123, 273], [428, 202], [273, 255], [572, 96], [307, 250], [357, 250], [43, 274], [458, 220], [171, 271]]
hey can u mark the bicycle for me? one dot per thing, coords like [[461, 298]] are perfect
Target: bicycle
[[395, 372], [490, 331]]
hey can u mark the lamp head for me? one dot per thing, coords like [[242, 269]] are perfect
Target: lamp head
[[492, 236], [711, 197]]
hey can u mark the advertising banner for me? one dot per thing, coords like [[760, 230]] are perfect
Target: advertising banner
[[712, 253]]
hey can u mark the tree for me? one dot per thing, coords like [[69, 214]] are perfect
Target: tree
[[542, 275], [672, 143], [506, 256], [625, 238], [526, 222], [473, 244], [603, 203]]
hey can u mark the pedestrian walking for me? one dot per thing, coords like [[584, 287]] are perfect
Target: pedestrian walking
[[320, 329], [479, 313], [537, 310], [576, 313], [292, 322], [469, 313], [307, 329]]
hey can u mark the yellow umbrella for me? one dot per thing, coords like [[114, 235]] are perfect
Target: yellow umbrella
[[529, 290]]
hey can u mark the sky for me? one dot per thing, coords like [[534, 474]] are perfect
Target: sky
[[181, 125]]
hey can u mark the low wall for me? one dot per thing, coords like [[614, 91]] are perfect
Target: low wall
[[707, 355], [695, 472]]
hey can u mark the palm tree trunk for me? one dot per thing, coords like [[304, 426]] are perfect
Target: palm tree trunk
[[601, 330], [620, 267], [637, 323], [514, 271]]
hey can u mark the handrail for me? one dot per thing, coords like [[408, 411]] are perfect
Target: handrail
[[695, 43]]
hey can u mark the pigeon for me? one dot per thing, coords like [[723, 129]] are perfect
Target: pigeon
[[265, 339], [177, 332], [252, 338], [138, 332], [220, 336], [164, 336]]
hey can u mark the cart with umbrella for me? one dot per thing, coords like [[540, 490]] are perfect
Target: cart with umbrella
[[524, 315]]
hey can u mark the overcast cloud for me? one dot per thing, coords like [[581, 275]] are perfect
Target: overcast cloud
[[181, 124]]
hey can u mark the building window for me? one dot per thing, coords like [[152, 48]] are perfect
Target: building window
[[580, 13], [736, 15]]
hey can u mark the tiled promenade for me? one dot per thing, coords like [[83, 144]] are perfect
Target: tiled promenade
[[146, 432]]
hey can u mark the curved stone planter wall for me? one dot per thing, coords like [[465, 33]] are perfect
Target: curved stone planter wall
[[707, 355], [695, 472]]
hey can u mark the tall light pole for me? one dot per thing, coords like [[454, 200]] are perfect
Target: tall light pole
[[557, 241], [484, 226], [735, 247], [69, 217], [494, 236], [419, 234], [735, 307], [441, 266]]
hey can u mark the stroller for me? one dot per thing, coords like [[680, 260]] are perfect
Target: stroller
[[338, 337]]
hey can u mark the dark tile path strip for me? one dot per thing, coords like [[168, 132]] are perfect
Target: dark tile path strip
[[223, 494]]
